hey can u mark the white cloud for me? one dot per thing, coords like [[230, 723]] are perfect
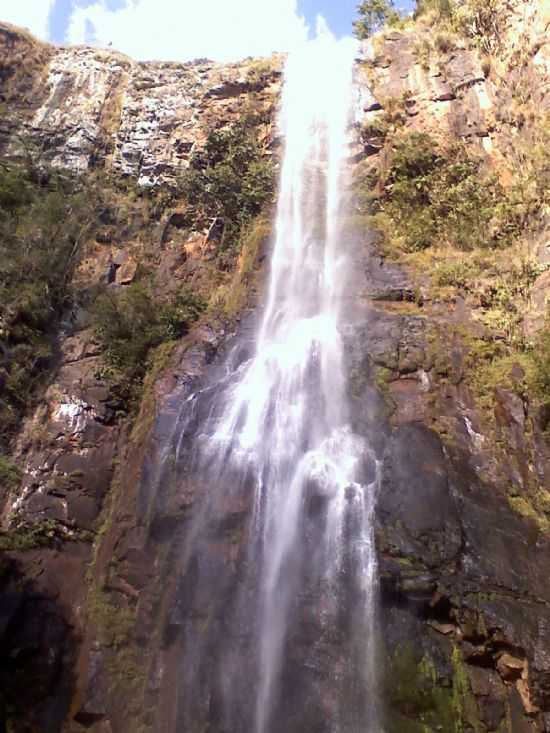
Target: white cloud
[[31, 14], [179, 30]]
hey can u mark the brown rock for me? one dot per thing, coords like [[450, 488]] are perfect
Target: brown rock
[[522, 687], [510, 667], [80, 346], [126, 272], [442, 91]]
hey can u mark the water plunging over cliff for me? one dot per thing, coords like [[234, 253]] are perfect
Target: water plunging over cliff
[[293, 645]]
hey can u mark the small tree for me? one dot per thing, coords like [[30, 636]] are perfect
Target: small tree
[[373, 14]]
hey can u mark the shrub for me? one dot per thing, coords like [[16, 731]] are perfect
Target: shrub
[[436, 196], [259, 71], [230, 297], [43, 220], [29, 536], [229, 178], [10, 475], [442, 9], [423, 51], [453, 274], [482, 21], [130, 323], [541, 361], [444, 42]]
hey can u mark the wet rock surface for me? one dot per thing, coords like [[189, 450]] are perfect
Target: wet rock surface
[[37, 637], [463, 578]]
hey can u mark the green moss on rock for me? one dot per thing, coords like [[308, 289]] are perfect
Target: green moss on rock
[[417, 700]]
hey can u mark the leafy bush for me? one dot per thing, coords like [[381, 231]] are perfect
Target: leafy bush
[[453, 274], [230, 297], [259, 71], [10, 474], [130, 323], [29, 536], [444, 42], [441, 9], [373, 14], [435, 196], [482, 21], [229, 178], [423, 51], [541, 361], [42, 223]]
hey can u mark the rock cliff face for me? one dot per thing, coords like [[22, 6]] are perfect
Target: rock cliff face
[[463, 573], [96, 618], [84, 108], [120, 123]]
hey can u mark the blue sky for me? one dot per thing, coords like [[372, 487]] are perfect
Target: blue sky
[[338, 13], [182, 29]]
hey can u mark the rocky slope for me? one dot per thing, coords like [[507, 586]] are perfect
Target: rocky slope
[[95, 617]]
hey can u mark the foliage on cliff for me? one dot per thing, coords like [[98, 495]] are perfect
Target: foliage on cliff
[[373, 14], [480, 21], [442, 196], [441, 209], [230, 177], [131, 323], [43, 220]]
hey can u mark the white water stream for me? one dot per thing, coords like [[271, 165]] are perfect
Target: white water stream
[[285, 420]]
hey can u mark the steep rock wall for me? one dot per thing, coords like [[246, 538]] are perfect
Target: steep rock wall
[[129, 129], [463, 573], [463, 542]]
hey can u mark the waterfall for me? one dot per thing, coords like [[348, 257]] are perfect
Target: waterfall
[[287, 640]]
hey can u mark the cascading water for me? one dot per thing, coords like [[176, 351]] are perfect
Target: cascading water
[[280, 634]]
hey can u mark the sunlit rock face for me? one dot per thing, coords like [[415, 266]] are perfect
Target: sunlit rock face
[[85, 110], [92, 108]]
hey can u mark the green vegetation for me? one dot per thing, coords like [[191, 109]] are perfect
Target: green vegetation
[[43, 221], [231, 178], [472, 21], [230, 297], [535, 508], [464, 703], [130, 323], [373, 15], [442, 8], [47, 217], [41, 533], [464, 230], [417, 700], [481, 21], [440, 210], [113, 623], [259, 71], [541, 362], [10, 474], [434, 196]]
